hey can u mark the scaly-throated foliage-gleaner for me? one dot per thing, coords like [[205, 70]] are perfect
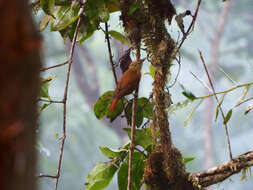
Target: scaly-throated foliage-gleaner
[[128, 82]]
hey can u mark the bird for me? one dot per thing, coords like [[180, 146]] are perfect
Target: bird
[[128, 82]]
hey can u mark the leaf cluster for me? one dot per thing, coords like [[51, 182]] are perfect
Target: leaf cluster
[[62, 16], [144, 108], [102, 174]]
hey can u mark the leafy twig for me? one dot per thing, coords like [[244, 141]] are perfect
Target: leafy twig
[[64, 101], [226, 91], [220, 108]]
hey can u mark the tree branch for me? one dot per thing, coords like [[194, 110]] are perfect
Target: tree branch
[[220, 108], [54, 66], [189, 28], [223, 171], [110, 53], [131, 148], [66, 96]]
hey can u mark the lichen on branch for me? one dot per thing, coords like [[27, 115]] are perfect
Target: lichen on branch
[[164, 168]]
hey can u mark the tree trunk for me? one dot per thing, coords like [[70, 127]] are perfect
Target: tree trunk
[[19, 80]]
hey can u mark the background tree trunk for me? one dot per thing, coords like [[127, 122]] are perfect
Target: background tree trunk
[[19, 80]]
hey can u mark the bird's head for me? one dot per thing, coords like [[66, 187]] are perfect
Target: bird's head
[[136, 64]]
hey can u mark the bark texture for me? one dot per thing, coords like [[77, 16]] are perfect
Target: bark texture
[[19, 80]]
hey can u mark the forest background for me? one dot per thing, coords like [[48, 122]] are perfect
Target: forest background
[[223, 33]]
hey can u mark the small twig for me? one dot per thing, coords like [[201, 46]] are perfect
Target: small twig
[[110, 53], [230, 78], [251, 98], [194, 17], [131, 147], [49, 176], [202, 82], [51, 101], [66, 95], [220, 108], [179, 68], [226, 91], [54, 66], [189, 28]]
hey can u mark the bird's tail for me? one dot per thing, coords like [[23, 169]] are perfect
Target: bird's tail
[[113, 105]]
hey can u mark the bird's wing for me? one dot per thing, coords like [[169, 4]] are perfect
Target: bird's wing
[[128, 83]]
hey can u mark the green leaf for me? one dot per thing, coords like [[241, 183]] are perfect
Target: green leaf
[[142, 137], [45, 83], [64, 16], [133, 8], [228, 116], [100, 176], [143, 109], [144, 106], [110, 153], [189, 95], [101, 107], [189, 117], [44, 22], [118, 36], [63, 2], [152, 70], [138, 114], [218, 106], [97, 11], [46, 6], [102, 104], [186, 160], [122, 176], [57, 136], [179, 105], [138, 165], [86, 29], [118, 110]]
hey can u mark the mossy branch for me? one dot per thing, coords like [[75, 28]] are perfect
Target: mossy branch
[[221, 172]]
